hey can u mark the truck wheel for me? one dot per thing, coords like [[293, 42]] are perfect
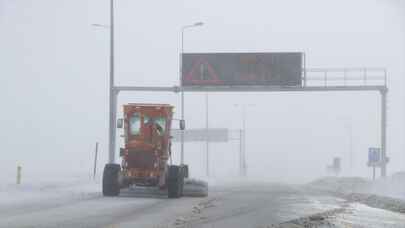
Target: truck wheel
[[175, 182], [111, 185], [186, 172], [181, 182]]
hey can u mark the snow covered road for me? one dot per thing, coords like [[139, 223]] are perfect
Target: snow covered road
[[228, 205]]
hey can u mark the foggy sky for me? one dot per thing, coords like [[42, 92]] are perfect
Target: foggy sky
[[54, 75]]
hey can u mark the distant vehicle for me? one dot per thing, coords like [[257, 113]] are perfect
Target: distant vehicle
[[146, 153]]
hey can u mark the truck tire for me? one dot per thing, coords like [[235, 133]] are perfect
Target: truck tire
[[111, 185], [181, 183], [175, 182], [186, 172]]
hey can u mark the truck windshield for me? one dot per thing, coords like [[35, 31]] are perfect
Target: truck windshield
[[158, 122], [135, 124], [161, 124]]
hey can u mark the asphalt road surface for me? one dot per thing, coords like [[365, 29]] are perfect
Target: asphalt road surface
[[232, 205]]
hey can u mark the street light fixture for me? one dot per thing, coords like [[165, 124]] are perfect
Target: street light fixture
[[182, 35], [180, 77]]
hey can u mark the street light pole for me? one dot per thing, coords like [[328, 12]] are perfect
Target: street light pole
[[181, 84], [112, 94], [243, 139], [182, 97]]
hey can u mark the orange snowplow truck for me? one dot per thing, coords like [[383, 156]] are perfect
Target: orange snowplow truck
[[146, 154]]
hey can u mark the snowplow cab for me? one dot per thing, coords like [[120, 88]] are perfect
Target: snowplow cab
[[145, 152], [147, 143]]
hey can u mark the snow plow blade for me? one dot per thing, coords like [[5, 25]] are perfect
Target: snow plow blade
[[195, 188]]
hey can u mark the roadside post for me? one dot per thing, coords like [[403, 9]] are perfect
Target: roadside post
[[19, 174], [95, 162]]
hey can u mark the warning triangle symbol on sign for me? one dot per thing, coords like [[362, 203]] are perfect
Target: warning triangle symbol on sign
[[202, 73]]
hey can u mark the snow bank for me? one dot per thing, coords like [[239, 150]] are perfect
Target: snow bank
[[379, 194], [385, 187]]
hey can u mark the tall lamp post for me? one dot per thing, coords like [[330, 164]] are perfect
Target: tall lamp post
[[243, 165], [182, 91], [112, 94]]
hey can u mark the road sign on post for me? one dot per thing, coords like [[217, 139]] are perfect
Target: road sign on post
[[375, 159], [242, 69], [202, 135]]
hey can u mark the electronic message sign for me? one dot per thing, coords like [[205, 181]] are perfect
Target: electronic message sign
[[242, 69]]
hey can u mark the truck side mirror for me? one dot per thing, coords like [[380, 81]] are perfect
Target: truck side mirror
[[120, 123], [182, 124]]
